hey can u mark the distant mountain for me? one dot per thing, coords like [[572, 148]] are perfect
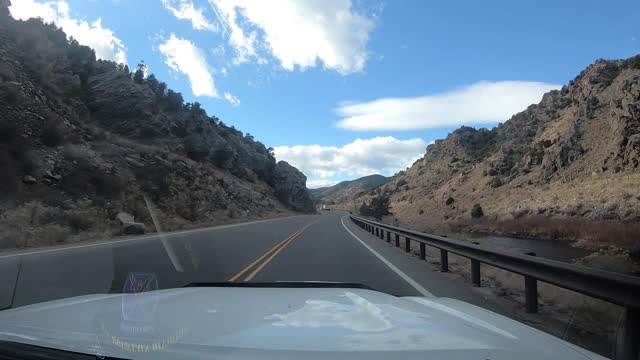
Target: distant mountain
[[315, 192], [345, 190], [575, 154], [82, 140]]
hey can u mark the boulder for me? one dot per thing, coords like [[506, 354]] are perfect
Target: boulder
[[128, 224], [124, 218], [291, 187], [28, 179], [133, 228], [52, 176]]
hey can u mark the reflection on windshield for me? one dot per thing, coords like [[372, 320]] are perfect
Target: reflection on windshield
[[359, 315]]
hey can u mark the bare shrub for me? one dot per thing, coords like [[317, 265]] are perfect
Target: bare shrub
[[232, 212], [9, 181], [78, 222], [153, 180], [23, 227], [49, 235], [48, 215], [476, 211], [140, 212], [54, 199], [15, 157], [85, 179]]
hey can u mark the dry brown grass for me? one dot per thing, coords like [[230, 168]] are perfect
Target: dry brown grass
[[36, 224], [31, 225]]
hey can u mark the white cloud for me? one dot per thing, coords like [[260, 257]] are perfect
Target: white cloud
[[185, 10], [106, 45], [482, 102], [183, 56], [298, 33], [234, 101], [314, 184], [379, 155]]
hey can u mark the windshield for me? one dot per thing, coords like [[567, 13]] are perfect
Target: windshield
[[157, 157]]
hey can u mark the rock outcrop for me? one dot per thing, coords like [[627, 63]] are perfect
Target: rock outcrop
[[81, 141], [291, 187]]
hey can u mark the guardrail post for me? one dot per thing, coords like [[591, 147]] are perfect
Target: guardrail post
[[397, 240], [381, 234], [475, 272], [377, 232], [530, 291], [407, 244], [423, 251], [531, 294], [388, 236], [444, 260], [628, 335]]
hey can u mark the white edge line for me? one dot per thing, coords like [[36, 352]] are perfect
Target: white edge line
[[400, 273], [111, 242]]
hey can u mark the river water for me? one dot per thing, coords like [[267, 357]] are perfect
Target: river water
[[551, 249]]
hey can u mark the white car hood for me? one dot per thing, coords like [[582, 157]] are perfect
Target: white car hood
[[278, 323]]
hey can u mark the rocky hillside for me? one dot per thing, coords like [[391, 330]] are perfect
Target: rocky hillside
[[576, 154], [83, 140], [345, 190]]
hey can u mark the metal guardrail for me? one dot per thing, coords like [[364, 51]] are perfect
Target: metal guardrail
[[619, 289]]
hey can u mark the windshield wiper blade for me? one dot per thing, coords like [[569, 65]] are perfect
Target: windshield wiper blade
[[284, 284]]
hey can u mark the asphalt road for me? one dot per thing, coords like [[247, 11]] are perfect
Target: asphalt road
[[324, 247]]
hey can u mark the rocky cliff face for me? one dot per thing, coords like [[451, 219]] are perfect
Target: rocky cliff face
[[575, 154], [291, 187], [80, 142]]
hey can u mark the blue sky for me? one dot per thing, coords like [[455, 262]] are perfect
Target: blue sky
[[346, 88]]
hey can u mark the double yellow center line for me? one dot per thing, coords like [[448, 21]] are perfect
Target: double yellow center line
[[269, 255]]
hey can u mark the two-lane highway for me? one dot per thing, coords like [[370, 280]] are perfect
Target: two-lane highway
[[323, 247]]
